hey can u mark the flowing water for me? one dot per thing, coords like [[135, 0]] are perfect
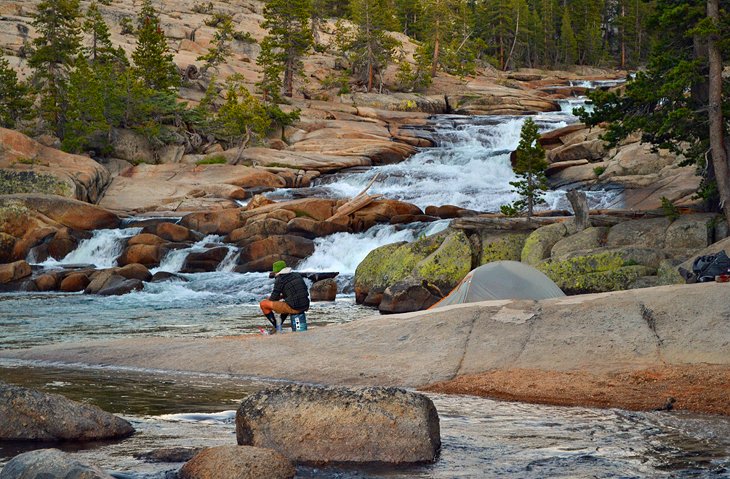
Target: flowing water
[[481, 438]]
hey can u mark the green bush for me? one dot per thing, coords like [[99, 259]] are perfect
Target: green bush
[[670, 210], [599, 170]]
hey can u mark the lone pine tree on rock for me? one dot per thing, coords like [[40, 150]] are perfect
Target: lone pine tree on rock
[[530, 165]]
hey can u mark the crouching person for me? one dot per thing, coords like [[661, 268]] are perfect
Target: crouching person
[[289, 296]]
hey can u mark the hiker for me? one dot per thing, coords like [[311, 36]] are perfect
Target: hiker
[[289, 296]]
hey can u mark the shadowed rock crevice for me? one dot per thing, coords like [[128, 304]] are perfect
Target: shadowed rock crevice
[[465, 348]]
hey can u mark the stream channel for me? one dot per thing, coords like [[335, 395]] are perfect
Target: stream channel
[[469, 168]]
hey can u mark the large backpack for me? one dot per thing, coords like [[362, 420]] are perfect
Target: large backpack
[[705, 268]]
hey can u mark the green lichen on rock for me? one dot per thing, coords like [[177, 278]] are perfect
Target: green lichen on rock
[[603, 281], [594, 273], [391, 263], [10, 211], [579, 265], [589, 238], [441, 259], [541, 241], [446, 266], [668, 273], [13, 182], [506, 247]]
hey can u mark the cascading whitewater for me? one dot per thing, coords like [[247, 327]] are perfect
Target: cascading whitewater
[[101, 250], [175, 259], [328, 253]]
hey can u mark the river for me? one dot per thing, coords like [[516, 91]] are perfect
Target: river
[[469, 168]]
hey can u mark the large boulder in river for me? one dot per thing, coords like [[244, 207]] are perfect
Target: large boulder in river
[[50, 464], [27, 166], [238, 462], [204, 261], [441, 260], [29, 415], [323, 290], [14, 271], [320, 425], [148, 255], [285, 245]]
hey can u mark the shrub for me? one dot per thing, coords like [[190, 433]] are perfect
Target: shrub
[[670, 210]]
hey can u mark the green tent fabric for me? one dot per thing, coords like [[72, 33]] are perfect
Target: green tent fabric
[[502, 280]]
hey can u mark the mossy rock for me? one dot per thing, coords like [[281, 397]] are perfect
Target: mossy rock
[[599, 259], [589, 238], [540, 242], [442, 259], [504, 247], [14, 182], [603, 281], [648, 232], [446, 266], [391, 263], [668, 273], [558, 270]]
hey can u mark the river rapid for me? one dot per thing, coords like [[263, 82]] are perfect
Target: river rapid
[[469, 168]]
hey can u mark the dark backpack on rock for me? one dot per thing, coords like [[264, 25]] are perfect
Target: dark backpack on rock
[[705, 268]]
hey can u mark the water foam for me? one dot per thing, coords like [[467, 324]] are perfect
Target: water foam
[[101, 250], [342, 252]]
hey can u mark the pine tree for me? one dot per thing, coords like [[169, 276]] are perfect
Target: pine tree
[[15, 102], [439, 29], [408, 14], [587, 22], [54, 50], [101, 49], [153, 61], [568, 43], [372, 48], [669, 102], [220, 47], [289, 39], [86, 100], [530, 165]]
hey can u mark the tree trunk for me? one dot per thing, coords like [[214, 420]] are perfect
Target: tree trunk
[[436, 46], [717, 133], [579, 202], [289, 77]]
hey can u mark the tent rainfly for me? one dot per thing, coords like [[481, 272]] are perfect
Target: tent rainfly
[[502, 280]]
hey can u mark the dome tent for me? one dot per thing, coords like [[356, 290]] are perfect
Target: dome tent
[[502, 280]]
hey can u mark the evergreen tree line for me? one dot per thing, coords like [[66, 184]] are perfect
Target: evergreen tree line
[[455, 36], [82, 87], [681, 100]]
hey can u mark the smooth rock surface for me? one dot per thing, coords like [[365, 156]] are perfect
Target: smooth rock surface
[[319, 425], [29, 415], [238, 462], [50, 464]]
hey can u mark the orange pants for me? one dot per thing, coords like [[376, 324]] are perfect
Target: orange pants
[[280, 307]]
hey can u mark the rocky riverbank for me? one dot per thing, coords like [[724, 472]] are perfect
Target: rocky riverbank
[[604, 337]]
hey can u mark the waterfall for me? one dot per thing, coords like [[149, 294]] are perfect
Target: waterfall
[[469, 168], [342, 252], [230, 261], [175, 259], [101, 250]]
